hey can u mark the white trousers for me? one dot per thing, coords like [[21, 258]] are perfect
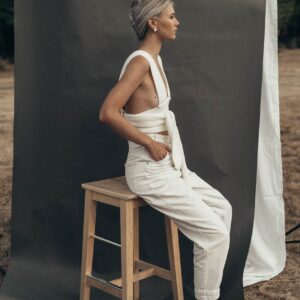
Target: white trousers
[[201, 212]]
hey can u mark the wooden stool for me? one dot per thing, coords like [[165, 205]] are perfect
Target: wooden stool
[[115, 192]]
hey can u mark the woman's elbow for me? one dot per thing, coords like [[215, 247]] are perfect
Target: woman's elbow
[[102, 117], [106, 115], [103, 113]]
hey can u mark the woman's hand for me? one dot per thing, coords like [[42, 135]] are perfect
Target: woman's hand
[[158, 150]]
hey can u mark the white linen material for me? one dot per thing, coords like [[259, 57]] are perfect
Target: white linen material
[[200, 211], [267, 252], [160, 118]]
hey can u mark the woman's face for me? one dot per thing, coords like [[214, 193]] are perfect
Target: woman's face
[[167, 23]]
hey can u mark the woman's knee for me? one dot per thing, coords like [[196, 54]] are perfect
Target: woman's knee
[[223, 235], [218, 238], [228, 208]]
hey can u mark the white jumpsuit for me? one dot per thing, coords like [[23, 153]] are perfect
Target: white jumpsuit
[[200, 211]]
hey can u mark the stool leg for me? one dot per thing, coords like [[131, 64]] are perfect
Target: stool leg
[[126, 212], [90, 207], [136, 251], [174, 258]]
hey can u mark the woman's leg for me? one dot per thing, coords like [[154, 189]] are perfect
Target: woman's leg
[[205, 282], [200, 213]]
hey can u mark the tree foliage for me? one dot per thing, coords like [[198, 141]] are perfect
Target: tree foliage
[[7, 29], [289, 23]]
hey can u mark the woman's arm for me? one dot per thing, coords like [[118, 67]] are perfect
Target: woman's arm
[[117, 98]]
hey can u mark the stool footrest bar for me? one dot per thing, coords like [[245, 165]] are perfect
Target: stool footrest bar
[[104, 285], [104, 240], [156, 270]]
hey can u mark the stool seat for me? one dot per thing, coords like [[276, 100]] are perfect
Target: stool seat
[[115, 192], [116, 187]]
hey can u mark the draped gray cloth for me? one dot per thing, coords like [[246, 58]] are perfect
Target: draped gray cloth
[[68, 56]]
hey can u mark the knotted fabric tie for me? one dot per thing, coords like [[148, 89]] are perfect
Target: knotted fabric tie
[[177, 148], [152, 122]]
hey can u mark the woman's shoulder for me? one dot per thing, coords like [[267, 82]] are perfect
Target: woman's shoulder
[[135, 63], [139, 53], [138, 57]]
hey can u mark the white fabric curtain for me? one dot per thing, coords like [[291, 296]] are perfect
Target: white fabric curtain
[[267, 252]]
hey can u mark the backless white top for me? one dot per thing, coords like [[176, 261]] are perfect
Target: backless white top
[[159, 118]]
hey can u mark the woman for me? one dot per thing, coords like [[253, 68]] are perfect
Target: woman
[[137, 108]]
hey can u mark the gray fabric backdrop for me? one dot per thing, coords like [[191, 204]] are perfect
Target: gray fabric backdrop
[[68, 56]]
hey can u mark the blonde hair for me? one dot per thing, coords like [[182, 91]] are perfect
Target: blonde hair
[[141, 10]]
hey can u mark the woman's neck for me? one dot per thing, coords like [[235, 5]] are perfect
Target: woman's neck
[[152, 44]]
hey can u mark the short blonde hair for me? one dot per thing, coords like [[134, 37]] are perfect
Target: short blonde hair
[[141, 10]]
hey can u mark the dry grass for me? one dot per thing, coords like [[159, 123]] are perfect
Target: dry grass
[[283, 286], [6, 156]]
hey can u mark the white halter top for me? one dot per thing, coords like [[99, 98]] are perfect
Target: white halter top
[[159, 118]]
